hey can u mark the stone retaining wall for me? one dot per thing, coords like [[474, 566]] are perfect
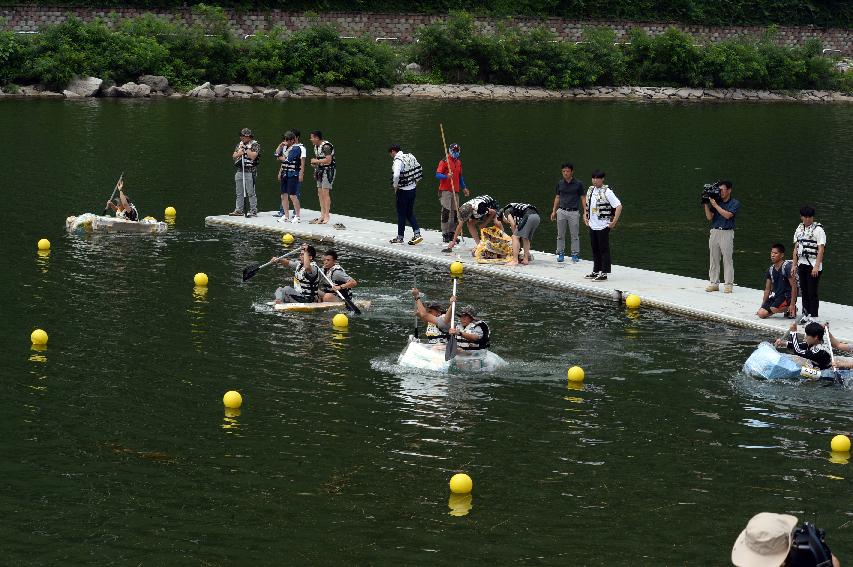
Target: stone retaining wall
[[402, 27]]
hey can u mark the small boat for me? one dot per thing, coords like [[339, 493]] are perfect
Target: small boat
[[89, 222], [430, 356], [362, 304], [768, 363]]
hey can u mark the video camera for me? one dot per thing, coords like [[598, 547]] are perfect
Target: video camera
[[808, 548], [711, 191]]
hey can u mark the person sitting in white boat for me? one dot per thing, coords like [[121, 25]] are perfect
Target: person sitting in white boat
[[780, 291], [435, 316], [477, 213], [125, 209], [844, 361], [813, 349], [474, 334], [307, 277], [341, 281]]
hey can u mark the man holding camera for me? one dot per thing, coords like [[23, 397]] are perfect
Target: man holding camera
[[721, 241]]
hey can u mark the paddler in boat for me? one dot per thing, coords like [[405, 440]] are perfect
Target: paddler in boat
[[473, 334], [341, 281], [844, 361], [813, 349], [435, 316], [125, 209], [307, 276]]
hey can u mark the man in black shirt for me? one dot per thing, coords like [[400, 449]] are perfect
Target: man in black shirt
[[780, 289], [566, 211]]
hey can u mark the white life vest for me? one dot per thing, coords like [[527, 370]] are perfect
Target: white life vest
[[807, 245], [244, 161], [596, 197], [475, 203], [131, 215], [410, 170], [290, 168], [481, 343], [325, 287], [306, 283]]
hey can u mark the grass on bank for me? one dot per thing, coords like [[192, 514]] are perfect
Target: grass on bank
[[452, 52]]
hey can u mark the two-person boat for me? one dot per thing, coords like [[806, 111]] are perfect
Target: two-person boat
[[90, 222], [430, 356], [768, 363]]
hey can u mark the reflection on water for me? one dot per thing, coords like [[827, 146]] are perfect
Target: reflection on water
[[460, 504]]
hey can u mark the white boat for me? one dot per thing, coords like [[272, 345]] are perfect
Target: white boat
[[89, 222], [430, 356], [362, 304], [768, 363]]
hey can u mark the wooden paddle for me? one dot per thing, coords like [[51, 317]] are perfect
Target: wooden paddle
[[450, 350], [114, 192], [350, 305], [252, 269]]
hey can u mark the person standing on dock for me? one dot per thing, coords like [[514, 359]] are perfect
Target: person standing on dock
[[291, 178], [450, 180], [246, 156], [405, 174], [601, 212], [565, 211], [324, 173], [780, 291], [721, 242], [523, 220], [809, 246]]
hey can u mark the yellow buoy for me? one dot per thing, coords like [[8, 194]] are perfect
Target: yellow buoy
[[39, 338], [287, 238], [456, 268], [340, 320], [576, 374], [44, 244], [232, 399], [632, 301], [461, 483], [839, 444], [200, 279], [170, 212]]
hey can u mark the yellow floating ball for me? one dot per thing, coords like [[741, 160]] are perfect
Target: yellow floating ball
[[44, 244], [456, 268], [576, 374], [287, 238], [200, 279], [39, 338], [839, 444], [340, 320], [232, 399], [461, 483], [632, 301], [170, 212]]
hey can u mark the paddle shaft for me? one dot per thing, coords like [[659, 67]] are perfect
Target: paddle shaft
[[282, 257], [350, 305], [450, 171], [415, 285], [250, 271], [450, 350], [120, 177]]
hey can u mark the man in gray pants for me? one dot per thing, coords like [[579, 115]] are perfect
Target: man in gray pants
[[566, 211], [246, 156]]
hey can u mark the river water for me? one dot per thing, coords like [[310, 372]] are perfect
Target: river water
[[116, 447]]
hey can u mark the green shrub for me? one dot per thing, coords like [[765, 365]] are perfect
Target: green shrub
[[12, 57]]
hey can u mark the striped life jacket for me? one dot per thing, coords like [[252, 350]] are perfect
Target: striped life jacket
[[410, 171], [600, 206], [244, 161], [308, 285], [807, 246], [328, 169], [481, 205], [291, 167], [482, 343], [324, 285], [518, 210]]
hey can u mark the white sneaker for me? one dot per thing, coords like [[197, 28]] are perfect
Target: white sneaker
[[295, 220], [282, 219]]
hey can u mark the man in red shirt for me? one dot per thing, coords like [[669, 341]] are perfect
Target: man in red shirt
[[450, 180]]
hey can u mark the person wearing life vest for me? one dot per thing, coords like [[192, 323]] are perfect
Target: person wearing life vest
[[307, 277], [435, 316], [809, 246], [125, 209], [476, 213], [324, 173], [405, 174], [601, 212], [341, 281], [246, 157], [721, 240], [290, 176], [523, 220], [780, 291], [450, 180], [473, 333]]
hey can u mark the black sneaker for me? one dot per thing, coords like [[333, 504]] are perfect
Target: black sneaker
[[396, 240], [251, 214], [416, 239], [591, 276], [601, 277], [447, 250]]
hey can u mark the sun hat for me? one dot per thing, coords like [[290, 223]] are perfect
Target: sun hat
[[469, 311], [246, 132], [765, 541], [437, 307], [465, 212]]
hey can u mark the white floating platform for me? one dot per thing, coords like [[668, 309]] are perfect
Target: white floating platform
[[677, 294]]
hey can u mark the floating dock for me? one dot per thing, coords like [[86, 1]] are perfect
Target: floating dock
[[678, 294]]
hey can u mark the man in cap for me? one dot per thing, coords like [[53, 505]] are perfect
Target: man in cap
[[245, 157], [476, 213], [450, 180], [474, 333], [435, 316], [767, 541]]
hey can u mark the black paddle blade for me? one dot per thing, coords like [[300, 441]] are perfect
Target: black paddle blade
[[450, 351], [352, 306], [250, 271]]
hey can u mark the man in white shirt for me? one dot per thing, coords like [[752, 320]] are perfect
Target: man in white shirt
[[602, 210]]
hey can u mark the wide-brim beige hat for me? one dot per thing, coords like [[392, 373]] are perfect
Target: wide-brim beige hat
[[765, 541]]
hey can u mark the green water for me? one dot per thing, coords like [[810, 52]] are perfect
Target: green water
[[116, 449]]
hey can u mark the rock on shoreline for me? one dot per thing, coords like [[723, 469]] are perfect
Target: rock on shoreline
[[155, 86]]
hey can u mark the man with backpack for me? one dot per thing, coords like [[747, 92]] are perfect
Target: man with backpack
[[780, 289]]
